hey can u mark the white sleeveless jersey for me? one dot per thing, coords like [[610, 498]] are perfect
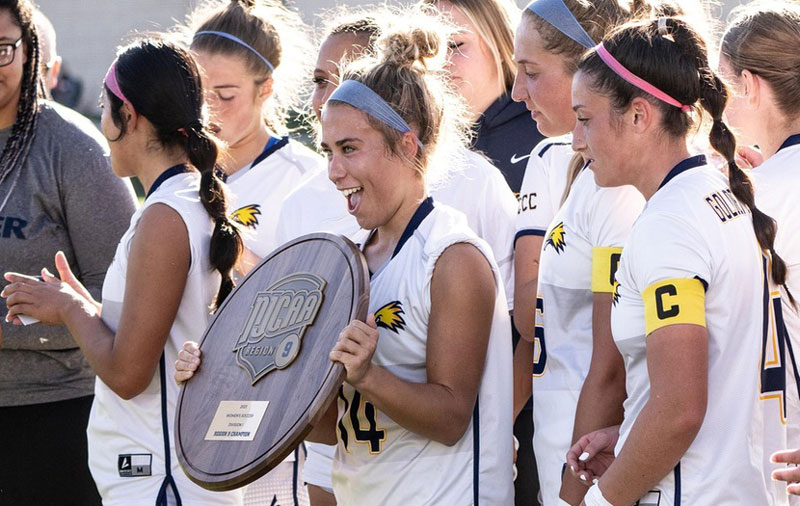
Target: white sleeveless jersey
[[692, 258], [128, 453], [379, 462], [480, 191], [775, 181], [579, 257], [258, 192], [543, 185]]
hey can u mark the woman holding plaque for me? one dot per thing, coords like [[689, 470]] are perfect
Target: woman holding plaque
[[172, 264], [424, 416]]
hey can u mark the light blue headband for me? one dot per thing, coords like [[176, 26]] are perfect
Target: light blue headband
[[238, 41], [361, 97], [558, 14]]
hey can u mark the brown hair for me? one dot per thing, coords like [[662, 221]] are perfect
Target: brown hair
[[677, 63], [763, 37], [162, 83], [275, 32], [598, 18], [407, 75]]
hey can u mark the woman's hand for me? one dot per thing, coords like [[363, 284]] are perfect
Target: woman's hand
[[355, 348], [188, 362], [47, 301], [68, 277], [589, 458], [790, 474]]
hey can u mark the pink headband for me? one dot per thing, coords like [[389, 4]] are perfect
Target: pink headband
[[635, 80], [111, 83]]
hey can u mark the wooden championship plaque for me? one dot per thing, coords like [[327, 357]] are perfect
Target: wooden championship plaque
[[265, 377]]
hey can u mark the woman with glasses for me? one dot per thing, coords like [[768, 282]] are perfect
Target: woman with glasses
[[56, 194]]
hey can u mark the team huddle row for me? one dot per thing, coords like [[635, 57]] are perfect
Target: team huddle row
[[649, 266]]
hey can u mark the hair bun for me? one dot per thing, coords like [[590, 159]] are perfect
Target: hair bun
[[407, 47], [246, 4]]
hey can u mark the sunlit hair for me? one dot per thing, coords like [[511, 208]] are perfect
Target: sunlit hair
[[495, 23], [764, 37], [407, 72], [276, 32]]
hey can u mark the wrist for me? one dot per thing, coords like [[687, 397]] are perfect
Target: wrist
[[362, 383], [594, 497], [77, 308]]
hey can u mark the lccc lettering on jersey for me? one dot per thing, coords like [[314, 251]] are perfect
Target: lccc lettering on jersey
[[11, 226]]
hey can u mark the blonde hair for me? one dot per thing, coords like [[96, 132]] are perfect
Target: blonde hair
[[763, 37], [495, 24], [277, 33], [407, 72]]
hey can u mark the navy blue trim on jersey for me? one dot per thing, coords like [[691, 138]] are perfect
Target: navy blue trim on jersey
[[705, 283], [294, 476], [476, 451], [544, 149], [795, 371], [420, 214], [169, 481], [172, 171], [273, 145], [523, 233], [793, 140], [690, 163], [678, 484]]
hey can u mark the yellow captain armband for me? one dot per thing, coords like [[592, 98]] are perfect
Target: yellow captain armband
[[674, 301], [604, 265]]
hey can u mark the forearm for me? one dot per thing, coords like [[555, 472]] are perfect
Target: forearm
[[430, 410], [525, 309], [523, 373], [658, 439], [600, 402], [97, 344], [599, 406]]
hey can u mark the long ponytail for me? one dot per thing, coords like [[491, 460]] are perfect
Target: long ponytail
[[713, 98], [168, 92], [226, 240]]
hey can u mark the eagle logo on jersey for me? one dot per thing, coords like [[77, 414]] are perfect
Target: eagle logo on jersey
[[556, 239], [615, 293], [278, 319], [247, 215], [390, 317]]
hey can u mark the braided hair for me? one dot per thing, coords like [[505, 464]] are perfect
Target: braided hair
[[162, 83], [32, 88], [676, 61]]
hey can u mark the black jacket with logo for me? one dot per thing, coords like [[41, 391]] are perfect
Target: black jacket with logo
[[506, 134]]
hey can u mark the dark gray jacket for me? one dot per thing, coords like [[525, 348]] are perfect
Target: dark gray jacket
[[65, 198]]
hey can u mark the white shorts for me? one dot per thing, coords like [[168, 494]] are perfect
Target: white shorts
[[318, 465], [281, 486]]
